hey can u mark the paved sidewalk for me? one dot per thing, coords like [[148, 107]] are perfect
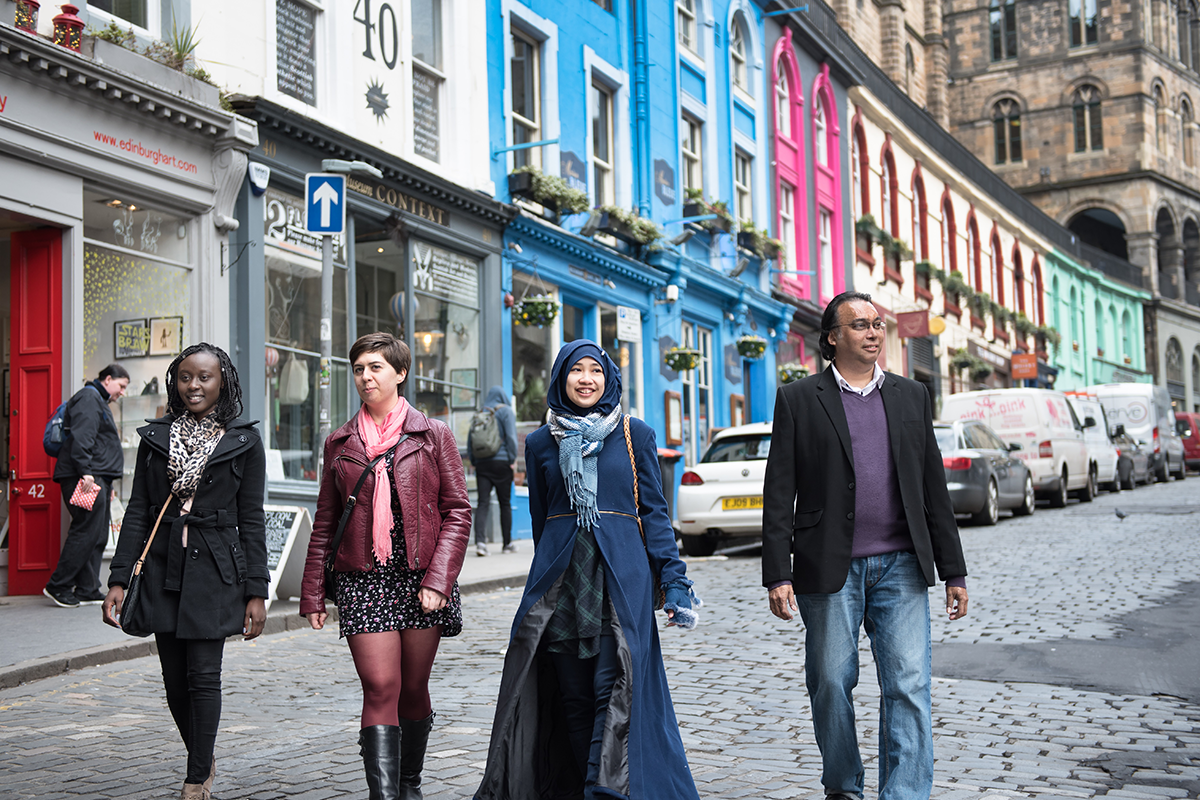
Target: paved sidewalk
[[41, 640]]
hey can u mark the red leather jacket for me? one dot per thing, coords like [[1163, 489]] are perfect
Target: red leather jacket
[[428, 474]]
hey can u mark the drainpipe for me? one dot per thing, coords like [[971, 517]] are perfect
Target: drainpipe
[[641, 114]]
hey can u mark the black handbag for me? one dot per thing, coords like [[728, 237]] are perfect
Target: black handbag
[[135, 616], [351, 502]]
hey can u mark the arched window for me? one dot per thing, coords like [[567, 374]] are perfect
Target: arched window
[[1006, 130], [827, 187], [737, 53], [1101, 333], [949, 246], [1160, 119], [1003, 20], [1174, 359], [1089, 126], [1127, 335], [860, 193], [790, 177], [1187, 127], [1039, 307], [889, 190], [974, 267], [1018, 278], [910, 69], [997, 266], [920, 230], [820, 131]]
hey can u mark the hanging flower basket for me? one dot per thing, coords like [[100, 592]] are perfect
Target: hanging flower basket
[[980, 372], [537, 311], [682, 359], [792, 372], [751, 347]]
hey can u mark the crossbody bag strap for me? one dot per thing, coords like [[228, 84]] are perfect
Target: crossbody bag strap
[[137, 568], [637, 504], [352, 500]]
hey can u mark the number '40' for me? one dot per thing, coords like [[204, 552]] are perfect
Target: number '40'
[[389, 33]]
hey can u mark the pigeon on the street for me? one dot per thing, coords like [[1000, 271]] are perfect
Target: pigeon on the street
[[1121, 515]]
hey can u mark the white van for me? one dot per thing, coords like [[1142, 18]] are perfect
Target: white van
[[1098, 438], [1043, 427], [1145, 411]]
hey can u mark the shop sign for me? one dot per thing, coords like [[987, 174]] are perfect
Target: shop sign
[[913, 324], [664, 182], [284, 223], [1024, 366], [401, 201], [629, 324], [998, 361], [585, 275], [445, 274], [573, 170]]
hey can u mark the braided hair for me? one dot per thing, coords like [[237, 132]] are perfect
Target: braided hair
[[229, 404]]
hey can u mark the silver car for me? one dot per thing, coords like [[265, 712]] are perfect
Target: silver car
[[983, 474]]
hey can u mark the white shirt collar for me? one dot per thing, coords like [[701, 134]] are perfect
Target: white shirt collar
[[876, 381]]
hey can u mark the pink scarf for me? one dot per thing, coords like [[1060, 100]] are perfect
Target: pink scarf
[[379, 439]]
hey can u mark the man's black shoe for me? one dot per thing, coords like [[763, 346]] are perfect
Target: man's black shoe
[[85, 599], [62, 599]]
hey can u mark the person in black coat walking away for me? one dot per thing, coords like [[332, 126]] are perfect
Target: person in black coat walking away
[[92, 455], [494, 468], [205, 577]]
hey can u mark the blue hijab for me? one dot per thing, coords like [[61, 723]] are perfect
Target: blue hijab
[[580, 432]]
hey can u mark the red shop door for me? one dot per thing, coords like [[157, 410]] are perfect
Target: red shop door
[[34, 506]]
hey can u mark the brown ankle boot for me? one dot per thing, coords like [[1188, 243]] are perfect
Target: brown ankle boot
[[194, 791], [212, 773]]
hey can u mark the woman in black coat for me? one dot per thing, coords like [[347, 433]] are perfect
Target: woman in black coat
[[205, 577]]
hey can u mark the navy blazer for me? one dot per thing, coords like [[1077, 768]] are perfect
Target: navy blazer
[[809, 490]]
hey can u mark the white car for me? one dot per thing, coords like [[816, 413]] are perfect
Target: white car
[[1098, 438], [721, 498]]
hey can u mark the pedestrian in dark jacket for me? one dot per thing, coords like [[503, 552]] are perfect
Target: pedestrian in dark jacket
[[206, 573], [496, 472], [584, 709], [91, 456], [398, 560]]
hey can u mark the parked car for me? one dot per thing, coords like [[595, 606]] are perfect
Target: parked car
[[1043, 423], [1133, 464], [1145, 411], [983, 473], [1098, 438], [1187, 425], [721, 498]]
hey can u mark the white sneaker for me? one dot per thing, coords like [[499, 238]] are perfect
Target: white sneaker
[[481, 549]]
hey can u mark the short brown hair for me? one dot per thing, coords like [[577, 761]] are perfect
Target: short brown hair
[[394, 351]]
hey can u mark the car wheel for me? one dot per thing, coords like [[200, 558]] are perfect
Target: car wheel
[[1059, 500], [1182, 471], [1088, 492], [990, 513], [1028, 501], [703, 544], [1163, 474]]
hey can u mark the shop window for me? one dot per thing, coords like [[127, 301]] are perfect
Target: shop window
[[533, 352], [697, 393], [690, 149], [602, 144], [427, 77], [296, 50], [525, 71], [625, 354]]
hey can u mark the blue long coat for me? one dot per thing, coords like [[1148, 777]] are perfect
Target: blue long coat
[[642, 758]]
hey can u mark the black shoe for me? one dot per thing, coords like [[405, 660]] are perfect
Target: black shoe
[[62, 599], [85, 599], [414, 739], [380, 749]]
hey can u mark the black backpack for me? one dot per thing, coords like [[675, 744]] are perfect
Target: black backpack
[[58, 430]]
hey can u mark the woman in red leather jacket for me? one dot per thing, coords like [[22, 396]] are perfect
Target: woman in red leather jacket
[[398, 561]]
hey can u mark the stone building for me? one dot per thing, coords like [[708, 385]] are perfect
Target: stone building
[[1088, 108]]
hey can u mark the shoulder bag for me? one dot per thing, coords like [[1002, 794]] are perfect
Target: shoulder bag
[[351, 502], [661, 595], [135, 616]]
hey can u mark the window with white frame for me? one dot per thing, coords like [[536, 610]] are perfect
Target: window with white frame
[[820, 130], [427, 77], [737, 54], [783, 101], [885, 195], [525, 71], [685, 24], [787, 221], [856, 178], [690, 149], [825, 253], [743, 171], [602, 144], [133, 12]]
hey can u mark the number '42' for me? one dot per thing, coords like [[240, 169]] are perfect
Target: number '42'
[[388, 33]]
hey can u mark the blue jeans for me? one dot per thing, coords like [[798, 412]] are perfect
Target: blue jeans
[[888, 596]]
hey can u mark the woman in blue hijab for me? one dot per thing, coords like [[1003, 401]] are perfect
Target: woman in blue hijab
[[584, 708]]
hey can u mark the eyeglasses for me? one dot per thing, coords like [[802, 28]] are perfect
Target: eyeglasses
[[861, 325]]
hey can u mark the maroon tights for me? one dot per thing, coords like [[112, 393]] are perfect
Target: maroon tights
[[394, 668]]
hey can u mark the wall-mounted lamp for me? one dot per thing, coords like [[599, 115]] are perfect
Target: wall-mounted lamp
[[670, 295], [608, 283], [516, 248]]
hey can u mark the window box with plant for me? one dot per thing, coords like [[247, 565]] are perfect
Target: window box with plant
[[757, 241], [628, 226], [751, 347], [696, 206], [791, 372], [537, 311], [682, 359], [550, 191]]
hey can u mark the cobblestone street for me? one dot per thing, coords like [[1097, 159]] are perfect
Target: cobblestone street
[[1076, 575]]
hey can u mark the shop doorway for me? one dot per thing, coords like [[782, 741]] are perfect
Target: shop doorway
[[31, 324]]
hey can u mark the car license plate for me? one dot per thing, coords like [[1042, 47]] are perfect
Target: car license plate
[[741, 503]]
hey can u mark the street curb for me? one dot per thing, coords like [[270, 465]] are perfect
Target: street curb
[[280, 621]]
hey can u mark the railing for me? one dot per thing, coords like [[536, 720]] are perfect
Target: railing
[[1114, 267]]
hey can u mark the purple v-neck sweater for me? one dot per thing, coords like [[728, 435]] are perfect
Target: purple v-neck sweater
[[879, 523]]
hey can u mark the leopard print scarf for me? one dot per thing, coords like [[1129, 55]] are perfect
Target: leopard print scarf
[[192, 442]]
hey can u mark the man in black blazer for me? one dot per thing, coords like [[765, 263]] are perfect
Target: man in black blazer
[[856, 518]]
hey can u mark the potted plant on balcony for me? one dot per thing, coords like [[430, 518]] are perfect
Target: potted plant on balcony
[[792, 371], [550, 191], [751, 347], [536, 311], [693, 203], [628, 226], [682, 359]]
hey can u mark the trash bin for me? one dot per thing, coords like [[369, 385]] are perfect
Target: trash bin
[[666, 466]]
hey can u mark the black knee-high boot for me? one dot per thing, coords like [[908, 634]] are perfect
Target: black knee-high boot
[[380, 748], [414, 738]]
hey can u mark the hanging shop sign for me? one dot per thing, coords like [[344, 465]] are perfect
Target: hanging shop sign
[[401, 201], [664, 182], [629, 324], [573, 170]]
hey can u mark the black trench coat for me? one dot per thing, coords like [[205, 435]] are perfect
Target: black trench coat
[[199, 592]]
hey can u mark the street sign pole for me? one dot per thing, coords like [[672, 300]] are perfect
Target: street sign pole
[[324, 389]]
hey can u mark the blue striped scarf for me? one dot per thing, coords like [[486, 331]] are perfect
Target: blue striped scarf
[[580, 440]]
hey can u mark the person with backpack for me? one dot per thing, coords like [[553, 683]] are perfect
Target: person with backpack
[[492, 446], [89, 456]]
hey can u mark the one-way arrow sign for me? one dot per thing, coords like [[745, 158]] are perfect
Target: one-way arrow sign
[[324, 203]]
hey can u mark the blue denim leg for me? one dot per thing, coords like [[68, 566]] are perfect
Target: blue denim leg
[[887, 595]]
